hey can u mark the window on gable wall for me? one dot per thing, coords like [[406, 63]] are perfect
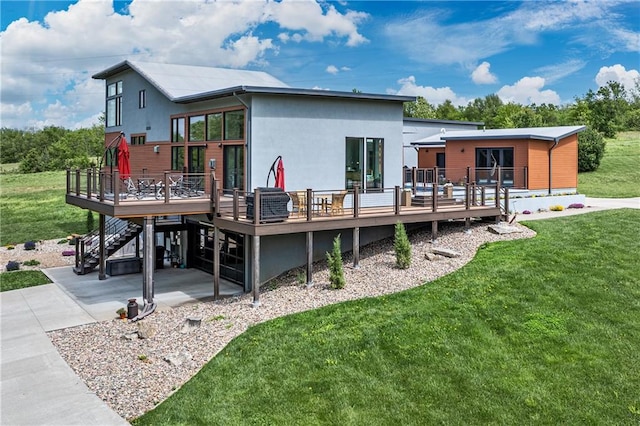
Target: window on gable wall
[[142, 99], [114, 104]]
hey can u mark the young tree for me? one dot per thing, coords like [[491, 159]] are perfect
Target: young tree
[[336, 271], [402, 247]]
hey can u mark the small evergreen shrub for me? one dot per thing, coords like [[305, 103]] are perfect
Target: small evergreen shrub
[[402, 247], [65, 241], [336, 271], [90, 222], [31, 262], [30, 245], [12, 266], [557, 208]]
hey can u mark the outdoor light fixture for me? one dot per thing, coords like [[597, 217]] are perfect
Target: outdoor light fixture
[[462, 150], [156, 149]]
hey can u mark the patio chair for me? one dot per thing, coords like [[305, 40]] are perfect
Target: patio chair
[[337, 202], [298, 201]]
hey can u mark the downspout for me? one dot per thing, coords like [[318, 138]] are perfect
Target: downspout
[[555, 144], [247, 141]]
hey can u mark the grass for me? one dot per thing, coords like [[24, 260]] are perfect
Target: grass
[[32, 207], [22, 279], [618, 174], [541, 331]]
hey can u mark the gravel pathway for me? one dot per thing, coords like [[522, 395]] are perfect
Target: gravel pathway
[[132, 374]]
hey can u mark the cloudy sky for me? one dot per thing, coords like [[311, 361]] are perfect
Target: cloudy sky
[[526, 52]]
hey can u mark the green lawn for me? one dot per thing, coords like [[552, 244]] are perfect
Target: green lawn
[[32, 207], [22, 279], [542, 331], [619, 171]]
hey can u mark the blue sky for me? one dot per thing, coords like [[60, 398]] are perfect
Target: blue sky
[[526, 52]]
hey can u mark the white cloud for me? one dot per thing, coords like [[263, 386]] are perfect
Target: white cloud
[[428, 37], [553, 73], [332, 69], [434, 96], [619, 74], [51, 62], [482, 75], [528, 90]]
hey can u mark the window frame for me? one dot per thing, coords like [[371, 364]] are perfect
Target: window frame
[[359, 160], [113, 108]]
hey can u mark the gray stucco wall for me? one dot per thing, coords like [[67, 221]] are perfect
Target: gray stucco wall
[[310, 135]]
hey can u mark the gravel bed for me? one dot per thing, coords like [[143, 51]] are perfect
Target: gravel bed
[[133, 375], [47, 252]]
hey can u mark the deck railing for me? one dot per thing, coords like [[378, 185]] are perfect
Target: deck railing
[[167, 187], [513, 177]]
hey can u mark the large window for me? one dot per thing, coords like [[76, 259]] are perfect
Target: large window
[[177, 158], [364, 162], [234, 125], [196, 128], [487, 162], [177, 129], [114, 104], [214, 126]]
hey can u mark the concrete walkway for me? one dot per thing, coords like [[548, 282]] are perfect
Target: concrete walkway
[[37, 385], [39, 388], [591, 205]]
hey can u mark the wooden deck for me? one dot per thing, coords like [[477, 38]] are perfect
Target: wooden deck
[[229, 211]]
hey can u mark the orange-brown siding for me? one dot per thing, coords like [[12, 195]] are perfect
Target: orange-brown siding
[[427, 157], [532, 154]]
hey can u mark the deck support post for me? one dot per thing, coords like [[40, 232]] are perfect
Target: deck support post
[[256, 271], [434, 230], [216, 263], [356, 247], [149, 257], [102, 267], [309, 258]]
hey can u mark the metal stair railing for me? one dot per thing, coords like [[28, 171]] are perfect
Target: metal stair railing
[[118, 232]]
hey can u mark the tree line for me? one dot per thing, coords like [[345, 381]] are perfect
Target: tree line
[[608, 110], [52, 148]]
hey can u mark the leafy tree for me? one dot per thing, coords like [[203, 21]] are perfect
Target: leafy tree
[[447, 111], [419, 109], [591, 147]]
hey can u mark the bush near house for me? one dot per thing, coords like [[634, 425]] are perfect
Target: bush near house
[[591, 148], [336, 270], [402, 247]]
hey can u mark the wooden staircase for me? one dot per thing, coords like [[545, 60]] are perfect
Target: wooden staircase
[[427, 201], [118, 232]]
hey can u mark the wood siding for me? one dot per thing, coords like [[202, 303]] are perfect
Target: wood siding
[[427, 157]]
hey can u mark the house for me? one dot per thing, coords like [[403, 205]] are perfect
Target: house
[[202, 143], [538, 159]]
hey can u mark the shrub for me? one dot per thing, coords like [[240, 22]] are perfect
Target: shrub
[[10, 247], [12, 266], [90, 222], [591, 147], [31, 262], [526, 212], [334, 259], [402, 247], [69, 253], [557, 208], [30, 245], [576, 206]]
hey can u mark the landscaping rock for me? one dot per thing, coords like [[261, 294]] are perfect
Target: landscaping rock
[[190, 324], [445, 252], [146, 330], [503, 228], [178, 358]]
